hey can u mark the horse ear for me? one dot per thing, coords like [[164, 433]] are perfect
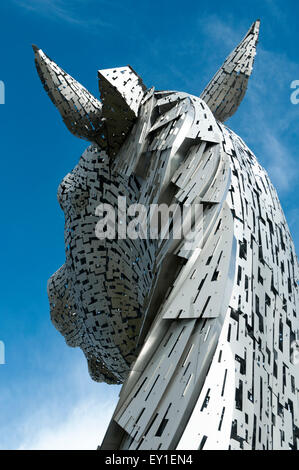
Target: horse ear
[[80, 110], [227, 88], [106, 123]]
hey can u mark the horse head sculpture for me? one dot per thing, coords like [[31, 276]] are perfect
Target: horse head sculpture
[[169, 318]]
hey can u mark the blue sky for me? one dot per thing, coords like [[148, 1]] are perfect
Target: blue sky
[[46, 396]]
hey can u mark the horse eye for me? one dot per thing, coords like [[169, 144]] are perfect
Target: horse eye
[[72, 192]]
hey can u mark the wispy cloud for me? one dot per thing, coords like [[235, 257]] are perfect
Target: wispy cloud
[[59, 411], [226, 34], [201, 50], [82, 429], [68, 12], [276, 11]]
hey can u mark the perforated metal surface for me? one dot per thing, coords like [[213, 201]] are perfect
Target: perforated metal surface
[[203, 337]]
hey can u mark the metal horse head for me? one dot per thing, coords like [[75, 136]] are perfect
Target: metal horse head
[[108, 292], [201, 334]]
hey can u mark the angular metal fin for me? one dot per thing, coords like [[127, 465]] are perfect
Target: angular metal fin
[[121, 92]]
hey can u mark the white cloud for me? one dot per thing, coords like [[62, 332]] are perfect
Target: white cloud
[[62, 409], [82, 429], [64, 11]]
